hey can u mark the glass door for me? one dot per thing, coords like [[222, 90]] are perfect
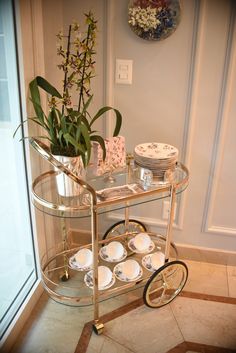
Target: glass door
[[17, 261]]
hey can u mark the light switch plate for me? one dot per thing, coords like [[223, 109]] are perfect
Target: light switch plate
[[124, 72]]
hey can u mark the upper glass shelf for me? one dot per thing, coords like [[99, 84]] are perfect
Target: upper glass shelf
[[124, 188]]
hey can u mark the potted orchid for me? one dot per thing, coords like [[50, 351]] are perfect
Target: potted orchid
[[68, 125]]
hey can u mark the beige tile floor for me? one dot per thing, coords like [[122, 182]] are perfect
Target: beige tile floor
[[55, 328]]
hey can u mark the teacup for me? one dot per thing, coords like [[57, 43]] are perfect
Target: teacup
[[104, 276], [114, 250], [157, 260], [131, 269], [142, 241], [84, 257]]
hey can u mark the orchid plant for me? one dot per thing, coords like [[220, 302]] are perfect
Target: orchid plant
[[68, 126]]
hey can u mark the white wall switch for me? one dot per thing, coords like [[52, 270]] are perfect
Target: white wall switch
[[124, 70]]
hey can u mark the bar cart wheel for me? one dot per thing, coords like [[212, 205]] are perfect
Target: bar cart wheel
[[165, 284], [98, 328], [119, 228]]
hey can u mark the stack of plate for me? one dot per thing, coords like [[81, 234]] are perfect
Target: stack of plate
[[157, 157]]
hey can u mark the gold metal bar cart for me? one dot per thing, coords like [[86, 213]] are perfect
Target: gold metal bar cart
[[160, 286]]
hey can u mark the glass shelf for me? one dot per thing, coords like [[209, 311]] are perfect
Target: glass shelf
[[74, 291], [46, 198]]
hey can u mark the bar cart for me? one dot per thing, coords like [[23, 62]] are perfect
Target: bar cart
[[67, 285]]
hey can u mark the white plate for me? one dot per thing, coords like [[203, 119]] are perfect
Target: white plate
[[76, 266], [122, 277], [156, 150], [147, 263], [105, 257], [88, 279], [133, 248]]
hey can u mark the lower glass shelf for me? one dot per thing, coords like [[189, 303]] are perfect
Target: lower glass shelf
[[66, 285]]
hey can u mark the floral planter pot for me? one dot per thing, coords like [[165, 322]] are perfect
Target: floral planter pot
[[66, 187], [115, 155]]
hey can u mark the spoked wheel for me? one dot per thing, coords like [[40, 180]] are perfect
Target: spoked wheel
[[165, 284], [119, 228]]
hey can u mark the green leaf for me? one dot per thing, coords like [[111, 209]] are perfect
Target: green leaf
[[47, 87], [35, 120], [60, 135], [85, 121], [101, 142], [52, 130], [74, 143], [85, 134], [35, 98], [86, 105], [118, 118], [63, 124]]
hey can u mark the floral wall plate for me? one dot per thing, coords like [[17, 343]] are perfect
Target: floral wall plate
[[154, 19]]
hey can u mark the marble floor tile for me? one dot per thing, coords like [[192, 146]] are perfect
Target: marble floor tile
[[95, 344], [111, 346], [48, 335], [206, 322], [231, 271], [53, 326], [145, 330], [105, 345], [207, 278], [56, 328]]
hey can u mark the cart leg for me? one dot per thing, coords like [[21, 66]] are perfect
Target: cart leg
[[170, 222], [98, 328], [65, 275], [94, 225], [127, 218]]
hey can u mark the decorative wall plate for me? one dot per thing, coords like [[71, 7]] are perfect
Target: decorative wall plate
[[154, 19]]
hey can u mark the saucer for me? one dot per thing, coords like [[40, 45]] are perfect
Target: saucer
[[147, 262], [118, 272], [76, 266], [88, 279], [132, 247], [105, 257]]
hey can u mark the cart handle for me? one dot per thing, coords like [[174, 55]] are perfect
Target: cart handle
[[44, 151]]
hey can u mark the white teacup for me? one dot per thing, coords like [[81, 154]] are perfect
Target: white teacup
[[104, 276], [131, 269], [157, 260], [84, 257], [114, 250], [142, 241]]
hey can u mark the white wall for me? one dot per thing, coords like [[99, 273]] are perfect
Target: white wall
[[182, 93]]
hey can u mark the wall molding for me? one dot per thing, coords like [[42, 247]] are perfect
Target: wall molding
[[221, 230], [221, 125], [188, 123], [189, 118], [109, 64]]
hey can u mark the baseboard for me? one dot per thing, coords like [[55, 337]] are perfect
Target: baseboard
[[21, 318], [203, 254]]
